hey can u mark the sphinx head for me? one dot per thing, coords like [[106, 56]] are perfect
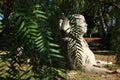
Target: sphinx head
[[75, 22], [80, 23]]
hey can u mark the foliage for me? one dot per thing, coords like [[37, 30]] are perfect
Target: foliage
[[28, 38], [115, 39], [29, 32], [25, 71]]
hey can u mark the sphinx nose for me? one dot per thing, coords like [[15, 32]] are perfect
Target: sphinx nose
[[86, 25]]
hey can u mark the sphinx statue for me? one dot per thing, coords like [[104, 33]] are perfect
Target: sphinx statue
[[79, 53]]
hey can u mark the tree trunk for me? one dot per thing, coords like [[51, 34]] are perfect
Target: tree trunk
[[103, 26]]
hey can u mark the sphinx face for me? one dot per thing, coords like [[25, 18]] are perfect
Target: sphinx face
[[76, 24], [80, 23]]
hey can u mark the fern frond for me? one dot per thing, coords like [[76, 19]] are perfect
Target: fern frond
[[33, 29], [30, 30]]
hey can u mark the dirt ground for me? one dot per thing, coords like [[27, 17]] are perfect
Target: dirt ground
[[76, 75], [100, 55]]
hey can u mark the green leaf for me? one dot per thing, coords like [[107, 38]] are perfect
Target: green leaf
[[32, 78], [39, 42], [1, 28], [55, 51], [41, 16], [39, 38], [24, 34], [38, 12], [56, 55], [55, 45], [22, 26]]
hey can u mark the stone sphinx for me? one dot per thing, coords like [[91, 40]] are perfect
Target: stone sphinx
[[79, 54]]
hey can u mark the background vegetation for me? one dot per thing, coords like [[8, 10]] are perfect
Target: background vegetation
[[30, 35]]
